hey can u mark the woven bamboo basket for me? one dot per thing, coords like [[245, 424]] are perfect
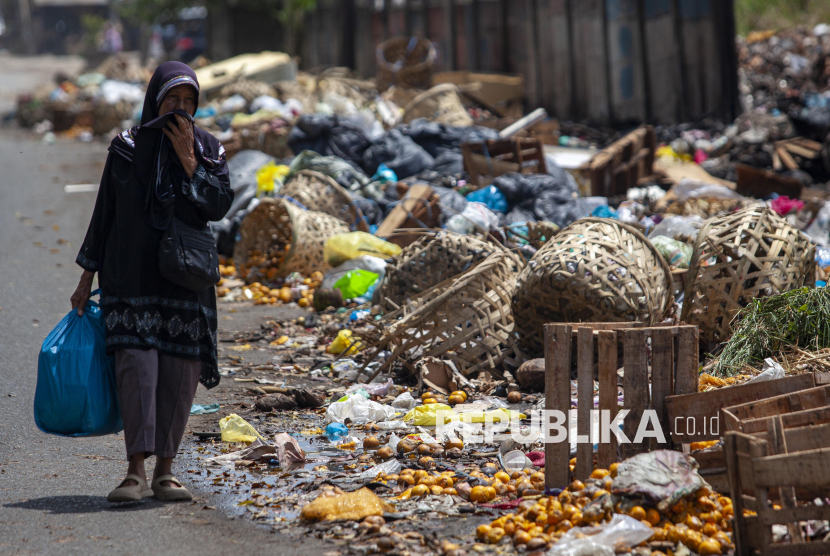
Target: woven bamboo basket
[[440, 104], [406, 62], [466, 319], [430, 260], [319, 192], [279, 234], [106, 117], [248, 88], [595, 270], [739, 257]]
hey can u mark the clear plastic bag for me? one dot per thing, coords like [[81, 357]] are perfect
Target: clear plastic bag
[[76, 394], [359, 411], [602, 540]]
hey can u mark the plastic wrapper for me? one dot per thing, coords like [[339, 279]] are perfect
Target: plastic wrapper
[[392, 425], [340, 248], [672, 225], [662, 477], [691, 189], [475, 218], [269, 178], [288, 450], [490, 196], [602, 540], [236, 429], [819, 230], [355, 283], [391, 467], [399, 153], [427, 415], [359, 411], [75, 393], [342, 341], [675, 252], [352, 506]]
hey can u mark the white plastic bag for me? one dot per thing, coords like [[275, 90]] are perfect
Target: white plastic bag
[[601, 540], [405, 401], [474, 217], [359, 410], [770, 371], [392, 425]]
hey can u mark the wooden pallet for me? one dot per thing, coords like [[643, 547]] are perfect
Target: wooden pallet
[[749, 417], [674, 362], [618, 167], [486, 160], [792, 467]]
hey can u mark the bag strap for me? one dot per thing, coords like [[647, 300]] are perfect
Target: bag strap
[[97, 292]]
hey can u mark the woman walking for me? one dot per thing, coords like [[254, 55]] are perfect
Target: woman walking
[[163, 335]]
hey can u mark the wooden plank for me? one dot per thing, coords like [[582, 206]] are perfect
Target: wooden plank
[[585, 403], [555, 58], [804, 469], [416, 194], [627, 77], [686, 379], [636, 398], [591, 78], [607, 347], [557, 397], [662, 55], [704, 406], [819, 548], [809, 398], [802, 439], [803, 513], [789, 420], [662, 375]]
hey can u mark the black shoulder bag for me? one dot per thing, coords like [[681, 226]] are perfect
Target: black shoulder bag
[[188, 257]]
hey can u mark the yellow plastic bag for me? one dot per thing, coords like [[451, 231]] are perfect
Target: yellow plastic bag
[[344, 247], [236, 429], [342, 341], [427, 415], [497, 416], [266, 176], [350, 505]]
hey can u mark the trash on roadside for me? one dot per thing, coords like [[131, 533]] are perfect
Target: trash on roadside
[[236, 429], [350, 506], [203, 409]]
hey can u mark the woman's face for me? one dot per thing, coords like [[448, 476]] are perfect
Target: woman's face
[[182, 97]]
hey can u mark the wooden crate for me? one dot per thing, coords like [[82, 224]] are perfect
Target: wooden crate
[[618, 167], [696, 418], [748, 417], [486, 160], [674, 362], [793, 467]]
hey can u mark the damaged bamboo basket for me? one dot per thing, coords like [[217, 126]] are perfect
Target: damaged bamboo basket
[[435, 257], [319, 192], [739, 257], [465, 319], [595, 270], [439, 104], [287, 237]]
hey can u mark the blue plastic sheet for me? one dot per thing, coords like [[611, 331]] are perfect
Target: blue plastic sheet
[[76, 394], [490, 196]]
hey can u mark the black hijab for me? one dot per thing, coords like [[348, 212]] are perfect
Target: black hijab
[[149, 149]]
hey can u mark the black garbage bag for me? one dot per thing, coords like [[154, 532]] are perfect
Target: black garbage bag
[[329, 136], [437, 138], [224, 231], [449, 163], [452, 202], [242, 170], [370, 209], [526, 189], [519, 214], [399, 153]]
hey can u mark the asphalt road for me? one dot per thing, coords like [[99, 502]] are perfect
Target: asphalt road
[[53, 489]]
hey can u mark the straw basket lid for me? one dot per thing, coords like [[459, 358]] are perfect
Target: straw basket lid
[[738, 257], [435, 257], [466, 319], [319, 192], [595, 270], [276, 223]]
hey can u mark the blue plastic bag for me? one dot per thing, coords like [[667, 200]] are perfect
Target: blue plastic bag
[[76, 394], [490, 196]]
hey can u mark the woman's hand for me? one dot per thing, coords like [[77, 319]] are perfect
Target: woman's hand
[[82, 292], [181, 137]]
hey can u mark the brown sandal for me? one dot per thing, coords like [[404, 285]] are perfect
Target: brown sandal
[[130, 493], [168, 493]]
